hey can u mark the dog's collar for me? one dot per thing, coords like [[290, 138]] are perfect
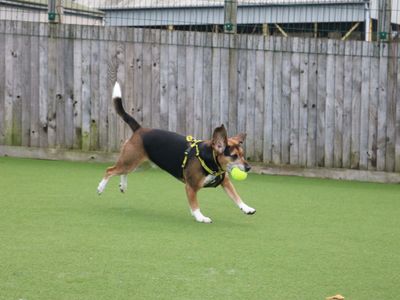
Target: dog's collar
[[194, 143]]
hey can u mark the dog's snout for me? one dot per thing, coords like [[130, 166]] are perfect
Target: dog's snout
[[247, 168]]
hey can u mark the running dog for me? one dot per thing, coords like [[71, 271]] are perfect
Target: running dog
[[196, 163]]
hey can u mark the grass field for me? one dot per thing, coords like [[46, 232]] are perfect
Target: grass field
[[310, 238]]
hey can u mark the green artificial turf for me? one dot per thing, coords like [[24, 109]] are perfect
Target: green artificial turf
[[309, 239]]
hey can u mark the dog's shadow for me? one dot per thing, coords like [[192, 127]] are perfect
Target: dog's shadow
[[160, 218]]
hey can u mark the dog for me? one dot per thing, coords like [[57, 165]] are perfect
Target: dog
[[196, 163]]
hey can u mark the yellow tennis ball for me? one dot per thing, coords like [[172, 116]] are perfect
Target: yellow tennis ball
[[238, 174]]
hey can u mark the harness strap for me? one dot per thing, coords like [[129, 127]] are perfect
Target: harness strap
[[195, 144]]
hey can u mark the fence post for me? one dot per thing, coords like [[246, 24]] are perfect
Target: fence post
[[230, 16], [384, 20], [55, 11], [52, 10]]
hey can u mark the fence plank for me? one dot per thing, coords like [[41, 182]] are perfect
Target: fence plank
[[59, 89], [232, 89], [52, 85], [18, 136], [155, 79], [137, 105], [182, 90], [25, 82], [365, 86], [321, 105], [277, 105], [104, 97], [312, 106], [9, 90], [111, 79], [94, 94], [190, 82], [391, 108], [268, 103], [356, 106], [295, 102], [347, 105], [172, 84], [69, 92], [207, 93], [198, 89], [131, 94], [215, 85], [77, 104], [397, 147], [303, 107], [120, 72], [224, 85], [285, 106], [43, 85], [259, 106], [146, 101], [2, 82], [330, 104], [339, 103], [382, 108], [250, 100], [373, 114], [138, 83], [86, 105], [242, 85], [34, 88], [164, 82]]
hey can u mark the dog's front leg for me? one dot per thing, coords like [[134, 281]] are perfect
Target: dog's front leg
[[194, 205], [231, 191]]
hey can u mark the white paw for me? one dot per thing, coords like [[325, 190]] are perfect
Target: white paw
[[200, 217], [247, 209], [204, 220], [100, 190], [102, 186], [123, 187]]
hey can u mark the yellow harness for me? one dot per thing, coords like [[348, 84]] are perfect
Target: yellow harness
[[195, 144]]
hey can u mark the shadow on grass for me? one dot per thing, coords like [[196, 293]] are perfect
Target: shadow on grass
[[159, 218]]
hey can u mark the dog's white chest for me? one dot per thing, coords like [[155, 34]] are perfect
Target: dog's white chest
[[209, 178]]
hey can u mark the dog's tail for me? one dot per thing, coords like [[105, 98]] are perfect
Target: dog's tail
[[117, 99]]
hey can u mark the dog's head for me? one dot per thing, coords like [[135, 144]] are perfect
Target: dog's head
[[229, 151]]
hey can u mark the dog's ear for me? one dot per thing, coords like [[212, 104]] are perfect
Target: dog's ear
[[219, 139], [239, 139]]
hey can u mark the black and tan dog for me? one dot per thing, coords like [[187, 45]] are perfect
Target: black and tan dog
[[196, 163]]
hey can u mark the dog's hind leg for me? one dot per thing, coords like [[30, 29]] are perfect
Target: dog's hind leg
[[123, 185], [132, 155], [103, 183]]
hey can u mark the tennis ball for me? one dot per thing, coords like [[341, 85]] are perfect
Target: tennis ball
[[238, 174]]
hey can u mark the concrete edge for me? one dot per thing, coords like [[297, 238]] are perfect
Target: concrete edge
[[110, 157]]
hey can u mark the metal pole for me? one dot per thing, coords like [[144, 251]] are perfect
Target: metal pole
[[367, 22], [230, 16]]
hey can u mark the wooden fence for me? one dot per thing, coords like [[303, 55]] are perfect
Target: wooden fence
[[302, 101]]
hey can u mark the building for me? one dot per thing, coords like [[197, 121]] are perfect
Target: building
[[37, 11], [323, 18]]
